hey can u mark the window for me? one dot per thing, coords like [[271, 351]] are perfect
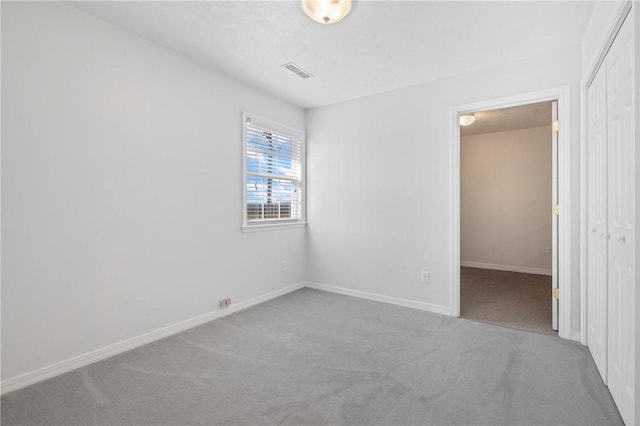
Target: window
[[273, 174]]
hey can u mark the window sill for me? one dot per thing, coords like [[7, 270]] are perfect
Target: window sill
[[273, 226]]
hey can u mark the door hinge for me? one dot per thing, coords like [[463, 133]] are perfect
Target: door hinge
[[554, 126], [556, 209], [555, 293]]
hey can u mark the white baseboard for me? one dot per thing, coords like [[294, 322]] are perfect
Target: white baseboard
[[522, 269], [438, 309], [70, 364], [577, 336]]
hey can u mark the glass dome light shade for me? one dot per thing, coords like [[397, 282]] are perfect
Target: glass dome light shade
[[326, 11]]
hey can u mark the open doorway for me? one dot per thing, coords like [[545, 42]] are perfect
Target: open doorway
[[564, 292], [508, 226]]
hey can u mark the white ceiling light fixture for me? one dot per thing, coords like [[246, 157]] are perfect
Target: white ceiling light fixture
[[467, 119], [326, 11]]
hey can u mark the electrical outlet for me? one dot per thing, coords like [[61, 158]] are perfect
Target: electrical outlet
[[224, 303], [425, 277], [283, 266]]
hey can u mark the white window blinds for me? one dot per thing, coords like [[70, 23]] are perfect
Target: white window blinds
[[274, 170]]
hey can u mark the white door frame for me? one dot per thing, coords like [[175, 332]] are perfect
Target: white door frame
[[562, 95]]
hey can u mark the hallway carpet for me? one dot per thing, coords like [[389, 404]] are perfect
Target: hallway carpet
[[317, 358], [508, 299]]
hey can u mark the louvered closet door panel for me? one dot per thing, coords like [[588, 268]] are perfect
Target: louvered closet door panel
[[621, 220], [597, 220]]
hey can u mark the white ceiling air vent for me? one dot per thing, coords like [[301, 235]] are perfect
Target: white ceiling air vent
[[294, 68]]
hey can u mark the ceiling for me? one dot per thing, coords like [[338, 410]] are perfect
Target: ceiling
[[379, 46], [512, 118]]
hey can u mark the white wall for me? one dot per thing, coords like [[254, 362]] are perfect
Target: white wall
[[505, 199], [121, 188], [379, 173]]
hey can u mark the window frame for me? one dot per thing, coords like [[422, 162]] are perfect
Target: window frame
[[281, 129]]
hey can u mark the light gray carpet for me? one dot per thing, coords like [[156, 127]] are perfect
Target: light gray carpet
[[312, 357], [508, 299]]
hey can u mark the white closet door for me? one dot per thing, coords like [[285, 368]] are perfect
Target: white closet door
[[597, 220], [621, 220]]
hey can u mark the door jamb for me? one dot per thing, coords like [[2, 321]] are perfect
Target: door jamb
[[562, 95]]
